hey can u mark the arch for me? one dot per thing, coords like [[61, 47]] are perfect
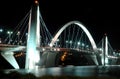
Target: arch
[[82, 27]]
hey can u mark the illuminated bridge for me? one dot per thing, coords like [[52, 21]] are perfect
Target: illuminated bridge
[[72, 44]]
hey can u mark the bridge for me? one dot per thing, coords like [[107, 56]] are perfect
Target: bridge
[[41, 48]]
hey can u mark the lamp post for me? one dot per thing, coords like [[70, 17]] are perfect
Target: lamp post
[[18, 33], [1, 30], [9, 33]]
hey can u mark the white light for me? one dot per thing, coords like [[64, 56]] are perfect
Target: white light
[[58, 49], [43, 49], [83, 44], [58, 40], [66, 41], [18, 33], [26, 34], [87, 45], [1, 30], [50, 45], [9, 32], [70, 42], [78, 43], [54, 49]]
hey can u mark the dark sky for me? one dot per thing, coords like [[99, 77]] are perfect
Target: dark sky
[[99, 17]]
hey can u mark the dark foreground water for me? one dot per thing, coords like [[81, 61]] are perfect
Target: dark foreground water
[[82, 71]]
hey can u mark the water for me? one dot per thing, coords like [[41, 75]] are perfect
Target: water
[[82, 71]]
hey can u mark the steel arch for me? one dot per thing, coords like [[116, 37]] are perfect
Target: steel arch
[[82, 27]]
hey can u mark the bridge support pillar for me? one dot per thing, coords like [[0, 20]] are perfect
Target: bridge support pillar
[[33, 40], [94, 57], [10, 58], [104, 58]]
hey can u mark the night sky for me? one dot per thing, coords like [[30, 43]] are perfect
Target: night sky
[[99, 17]]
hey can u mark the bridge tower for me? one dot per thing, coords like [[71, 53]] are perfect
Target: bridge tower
[[33, 41], [105, 50]]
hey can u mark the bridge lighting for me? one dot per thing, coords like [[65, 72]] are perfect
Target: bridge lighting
[[70, 42], [63, 57], [43, 49], [9, 32], [58, 49], [20, 41], [18, 33], [83, 44], [100, 49], [66, 41], [78, 43], [36, 1], [0, 40], [26, 34], [58, 40], [54, 49], [1, 30], [50, 45], [87, 45]]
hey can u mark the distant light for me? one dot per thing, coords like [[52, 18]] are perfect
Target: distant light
[[55, 49], [87, 45], [9, 32], [66, 41], [0, 40], [36, 2], [1, 30], [58, 49], [70, 42], [63, 57], [20, 41], [78, 43], [58, 40], [43, 49], [100, 49], [50, 45], [18, 33], [83, 44], [26, 34]]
